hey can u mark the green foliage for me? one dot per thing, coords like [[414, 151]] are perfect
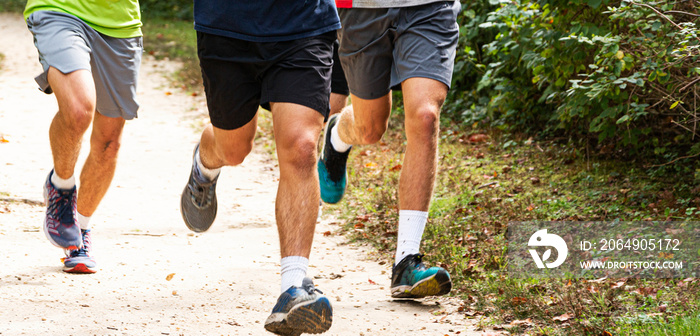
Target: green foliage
[[614, 73], [12, 5], [174, 39], [654, 326], [167, 9]]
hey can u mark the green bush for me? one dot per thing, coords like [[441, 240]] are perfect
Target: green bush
[[619, 74], [167, 9]]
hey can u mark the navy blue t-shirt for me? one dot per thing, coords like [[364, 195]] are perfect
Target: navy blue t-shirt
[[265, 20]]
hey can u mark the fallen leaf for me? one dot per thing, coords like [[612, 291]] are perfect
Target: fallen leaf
[[563, 317], [169, 276], [674, 231], [598, 280], [518, 300], [327, 233], [362, 218], [370, 165], [478, 138], [525, 323], [396, 168], [372, 282], [168, 93], [617, 285]]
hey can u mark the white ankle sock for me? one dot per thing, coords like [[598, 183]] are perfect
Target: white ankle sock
[[60, 183], [293, 271], [210, 174], [411, 226], [338, 144], [83, 222]]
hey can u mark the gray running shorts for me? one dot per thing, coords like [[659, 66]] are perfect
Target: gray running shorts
[[68, 44], [382, 47]]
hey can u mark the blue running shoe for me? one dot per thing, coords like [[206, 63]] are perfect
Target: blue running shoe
[[300, 310], [80, 260], [198, 203], [411, 279], [332, 174], [60, 224]]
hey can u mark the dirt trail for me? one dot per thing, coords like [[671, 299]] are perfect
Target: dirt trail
[[225, 281]]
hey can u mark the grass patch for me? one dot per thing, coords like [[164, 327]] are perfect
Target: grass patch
[[484, 185], [645, 325], [176, 40]]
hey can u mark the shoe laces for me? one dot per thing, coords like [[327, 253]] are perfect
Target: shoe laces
[[309, 287], [62, 205], [201, 192], [414, 262], [85, 249]]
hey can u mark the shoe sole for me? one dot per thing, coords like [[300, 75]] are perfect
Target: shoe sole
[[80, 269], [309, 318], [46, 227], [436, 285]]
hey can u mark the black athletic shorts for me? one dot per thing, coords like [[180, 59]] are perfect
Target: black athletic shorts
[[339, 84], [241, 75]]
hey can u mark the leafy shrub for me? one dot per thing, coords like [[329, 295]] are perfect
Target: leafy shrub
[[619, 74], [167, 9]]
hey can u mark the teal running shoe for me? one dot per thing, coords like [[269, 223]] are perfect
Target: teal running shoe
[[411, 279], [332, 174], [300, 310]]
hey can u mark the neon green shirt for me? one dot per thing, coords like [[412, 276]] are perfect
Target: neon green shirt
[[115, 18]]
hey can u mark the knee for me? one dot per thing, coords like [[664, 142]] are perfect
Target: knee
[[110, 148], [299, 155], [78, 114], [424, 122], [373, 134], [234, 155]]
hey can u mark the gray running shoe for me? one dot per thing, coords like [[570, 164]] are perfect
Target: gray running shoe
[[198, 202]]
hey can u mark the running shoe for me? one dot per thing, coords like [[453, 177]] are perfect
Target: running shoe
[[331, 165], [198, 202], [60, 224], [411, 279], [80, 260], [300, 310]]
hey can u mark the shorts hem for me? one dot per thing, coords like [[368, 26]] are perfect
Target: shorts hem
[[117, 114], [317, 106], [442, 80], [43, 78]]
